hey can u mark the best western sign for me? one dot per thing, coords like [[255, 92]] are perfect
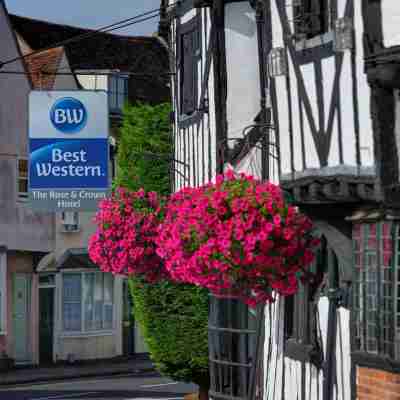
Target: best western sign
[[69, 150]]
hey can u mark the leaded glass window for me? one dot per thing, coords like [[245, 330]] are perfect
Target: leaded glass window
[[377, 269]]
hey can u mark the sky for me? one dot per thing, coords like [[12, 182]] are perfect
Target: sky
[[88, 13]]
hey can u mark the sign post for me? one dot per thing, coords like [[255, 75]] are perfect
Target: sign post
[[69, 150]]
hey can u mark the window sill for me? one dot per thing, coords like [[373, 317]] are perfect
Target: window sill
[[77, 230], [78, 335], [375, 361]]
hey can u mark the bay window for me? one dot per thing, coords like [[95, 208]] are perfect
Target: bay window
[[87, 299]]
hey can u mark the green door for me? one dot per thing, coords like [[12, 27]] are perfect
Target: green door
[[128, 323], [21, 317], [46, 325]]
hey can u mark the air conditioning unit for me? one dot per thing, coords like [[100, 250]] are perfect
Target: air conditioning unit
[[70, 221]]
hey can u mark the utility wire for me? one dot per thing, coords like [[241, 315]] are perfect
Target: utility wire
[[109, 28]]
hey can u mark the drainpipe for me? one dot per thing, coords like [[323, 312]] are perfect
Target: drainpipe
[[264, 116]]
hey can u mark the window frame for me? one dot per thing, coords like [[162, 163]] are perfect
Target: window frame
[[312, 34], [301, 312], [22, 196], [191, 26], [117, 77], [75, 227], [375, 309], [83, 331]]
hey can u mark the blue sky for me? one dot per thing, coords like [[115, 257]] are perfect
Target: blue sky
[[88, 13]]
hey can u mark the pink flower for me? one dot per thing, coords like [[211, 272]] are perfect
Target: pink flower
[[220, 236]]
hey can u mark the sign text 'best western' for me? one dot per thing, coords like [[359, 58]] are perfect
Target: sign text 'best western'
[[69, 150]]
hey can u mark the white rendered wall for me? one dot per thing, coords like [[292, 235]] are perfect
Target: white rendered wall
[[390, 22], [347, 108]]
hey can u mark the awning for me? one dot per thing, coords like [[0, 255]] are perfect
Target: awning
[[75, 258], [47, 263]]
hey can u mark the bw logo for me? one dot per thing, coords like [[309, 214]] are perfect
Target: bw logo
[[68, 115]]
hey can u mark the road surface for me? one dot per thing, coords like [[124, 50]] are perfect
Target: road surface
[[151, 387]]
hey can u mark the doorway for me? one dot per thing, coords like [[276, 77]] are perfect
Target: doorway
[[128, 322], [46, 324], [21, 317]]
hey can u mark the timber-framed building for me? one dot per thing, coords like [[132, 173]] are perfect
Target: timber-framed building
[[305, 93]]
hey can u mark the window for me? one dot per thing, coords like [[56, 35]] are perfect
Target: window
[[22, 183], [70, 221], [376, 300], [189, 48], [301, 324], [117, 92], [311, 18], [87, 301]]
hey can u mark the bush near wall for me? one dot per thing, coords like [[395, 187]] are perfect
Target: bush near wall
[[173, 317], [145, 148]]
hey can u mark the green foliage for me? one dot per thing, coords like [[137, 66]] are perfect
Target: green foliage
[[173, 318], [144, 149]]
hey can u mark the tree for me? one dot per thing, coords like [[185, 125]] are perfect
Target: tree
[[172, 316]]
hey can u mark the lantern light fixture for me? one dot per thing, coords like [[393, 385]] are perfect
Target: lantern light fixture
[[277, 62]]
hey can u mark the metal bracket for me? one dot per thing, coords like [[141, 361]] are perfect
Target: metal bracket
[[339, 296]]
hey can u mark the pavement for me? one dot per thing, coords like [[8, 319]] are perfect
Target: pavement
[[140, 365]]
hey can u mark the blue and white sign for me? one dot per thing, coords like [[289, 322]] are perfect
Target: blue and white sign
[[69, 149]]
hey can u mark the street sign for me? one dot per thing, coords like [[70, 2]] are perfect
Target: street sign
[[69, 150]]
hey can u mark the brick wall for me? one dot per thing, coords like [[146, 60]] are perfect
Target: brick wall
[[373, 384]]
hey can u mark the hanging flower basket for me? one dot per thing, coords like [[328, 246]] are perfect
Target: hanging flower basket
[[127, 226], [236, 235]]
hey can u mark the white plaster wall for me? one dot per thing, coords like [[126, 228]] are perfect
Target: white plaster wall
[[390, 22], [347, 104], [274, 360], [243, 101], [364, 93]]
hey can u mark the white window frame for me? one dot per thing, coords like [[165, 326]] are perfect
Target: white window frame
[[22, 196], [84, 331], [72, 228], [117, 77], [3, 292]]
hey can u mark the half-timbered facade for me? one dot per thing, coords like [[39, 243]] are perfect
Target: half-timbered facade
[[305, 92]]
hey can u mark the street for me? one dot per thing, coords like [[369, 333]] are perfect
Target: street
[[116, 388]]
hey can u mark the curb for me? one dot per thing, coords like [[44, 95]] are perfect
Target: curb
[[77, 375]]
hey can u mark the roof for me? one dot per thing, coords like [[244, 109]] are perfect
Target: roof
[[49, 61], [136, 54]]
